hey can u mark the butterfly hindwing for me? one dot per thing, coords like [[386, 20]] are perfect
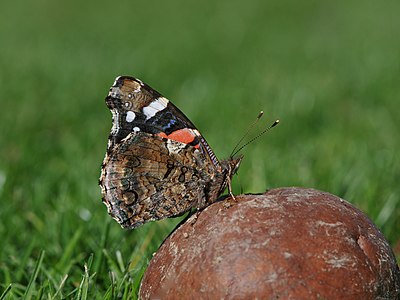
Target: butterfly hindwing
[[147, 179]]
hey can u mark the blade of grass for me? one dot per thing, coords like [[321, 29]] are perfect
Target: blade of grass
[[138, 278], [62, 283], [110, 293], [63, 264], [83, 289], [35, 273], [24, 260], [120, 261], [113, 266], [99, 257], [6, 291]]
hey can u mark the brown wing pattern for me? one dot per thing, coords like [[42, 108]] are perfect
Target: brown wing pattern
[[147, 178]]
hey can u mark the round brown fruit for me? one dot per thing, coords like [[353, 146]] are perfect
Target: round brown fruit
[[289, 243]]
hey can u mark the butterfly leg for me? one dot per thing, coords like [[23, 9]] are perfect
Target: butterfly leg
[[230, 189], [232, 199]]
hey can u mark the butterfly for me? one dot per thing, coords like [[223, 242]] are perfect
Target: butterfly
[[157, 164]]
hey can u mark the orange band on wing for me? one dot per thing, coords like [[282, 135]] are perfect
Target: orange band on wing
[[185, 136]]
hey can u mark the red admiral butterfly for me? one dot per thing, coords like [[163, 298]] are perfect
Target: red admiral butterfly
[[157, 164]]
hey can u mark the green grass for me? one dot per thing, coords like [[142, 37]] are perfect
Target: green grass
[[328, 71]]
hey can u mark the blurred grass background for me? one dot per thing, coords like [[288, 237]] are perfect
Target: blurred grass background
[[328, 70]]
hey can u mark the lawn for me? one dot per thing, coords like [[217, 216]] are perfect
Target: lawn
[[329, 71]]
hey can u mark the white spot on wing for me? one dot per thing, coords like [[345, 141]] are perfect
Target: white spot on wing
[[174, 146], [164, 101], [154, 107], [130, 116], [136, 129], [149, 112], [196, 132]]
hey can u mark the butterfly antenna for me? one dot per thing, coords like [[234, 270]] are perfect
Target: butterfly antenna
[[256, 137], [246, 133]]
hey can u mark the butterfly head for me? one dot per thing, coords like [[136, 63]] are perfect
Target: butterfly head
[[232, 165], [235, 164], [229, 168]]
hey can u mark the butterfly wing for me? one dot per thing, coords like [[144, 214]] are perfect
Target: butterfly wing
[[147, 177], [157, 163], [136, 107]]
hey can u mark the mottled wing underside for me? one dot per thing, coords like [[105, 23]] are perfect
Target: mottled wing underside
[[157, 164], [146, 179]]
